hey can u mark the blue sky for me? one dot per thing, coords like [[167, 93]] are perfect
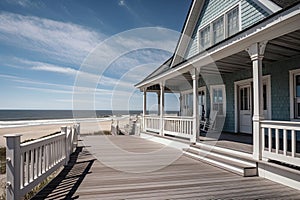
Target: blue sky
[[48, 47]]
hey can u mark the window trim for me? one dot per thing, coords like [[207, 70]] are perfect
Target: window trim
[[222, 87], [210, 24], [292, 74]]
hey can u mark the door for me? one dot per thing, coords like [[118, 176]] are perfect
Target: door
[[245, 109]]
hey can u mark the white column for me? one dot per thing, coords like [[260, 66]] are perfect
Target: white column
[[195, 77], [144, 108], [161, 110], [256, 52], [158, 102], [13, 166]]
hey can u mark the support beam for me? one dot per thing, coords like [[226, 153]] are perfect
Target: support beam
[[144, 107], [162, 105], [256, 52], [195, 77], [158, 102]]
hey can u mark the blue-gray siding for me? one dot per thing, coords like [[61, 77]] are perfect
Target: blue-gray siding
[[250, 14], [280, 97]]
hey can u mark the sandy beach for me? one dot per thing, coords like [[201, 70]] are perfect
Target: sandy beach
[[36, 131]]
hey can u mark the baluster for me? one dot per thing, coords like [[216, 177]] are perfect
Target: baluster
[[263, 138], [27, 167], [31, 165], [293, 137], [270, 139], [277, 140], [284, 142], [22, 171]]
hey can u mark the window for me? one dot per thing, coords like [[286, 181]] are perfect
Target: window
[[218, 30], [294, 84], [225, 26], [218, 99], [205, 37], [232, 22]]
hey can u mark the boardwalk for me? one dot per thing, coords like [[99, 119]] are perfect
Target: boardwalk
[[133, 175]]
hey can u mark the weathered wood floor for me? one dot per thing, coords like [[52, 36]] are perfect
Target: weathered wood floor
[[140, 169]]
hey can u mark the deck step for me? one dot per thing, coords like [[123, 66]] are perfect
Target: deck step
[[239, 164]]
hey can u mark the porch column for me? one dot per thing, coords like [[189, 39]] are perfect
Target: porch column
[[162, 105], [256, 52], [158, 102], [144, 108], [195, 77]]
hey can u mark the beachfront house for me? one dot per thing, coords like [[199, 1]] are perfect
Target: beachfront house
[[236, 73]]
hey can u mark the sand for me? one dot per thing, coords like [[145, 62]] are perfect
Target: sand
[[33, 132]]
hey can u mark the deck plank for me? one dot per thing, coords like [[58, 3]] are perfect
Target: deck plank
[[89, 177]]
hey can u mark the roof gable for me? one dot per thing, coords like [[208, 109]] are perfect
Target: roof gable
[[203, 12]]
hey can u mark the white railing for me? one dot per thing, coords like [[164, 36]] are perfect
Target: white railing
[[30, 163], [279, 141], [152, 123], [179, 126]]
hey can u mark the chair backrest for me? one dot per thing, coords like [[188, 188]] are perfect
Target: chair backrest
[[212, 118]]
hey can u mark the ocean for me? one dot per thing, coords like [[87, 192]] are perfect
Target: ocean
[[17, 115], [18, 118]]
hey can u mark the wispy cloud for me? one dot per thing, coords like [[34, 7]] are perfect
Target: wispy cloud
[[26, 3], [60, 40], [122, 3]]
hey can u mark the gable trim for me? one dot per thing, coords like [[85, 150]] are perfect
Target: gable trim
[[269, 6]]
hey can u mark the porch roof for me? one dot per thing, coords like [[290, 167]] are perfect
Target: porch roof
[[281, 30]]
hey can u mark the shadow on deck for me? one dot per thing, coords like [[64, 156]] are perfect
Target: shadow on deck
[[66, 183]]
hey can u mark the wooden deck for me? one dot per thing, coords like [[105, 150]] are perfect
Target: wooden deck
[[138, 170]]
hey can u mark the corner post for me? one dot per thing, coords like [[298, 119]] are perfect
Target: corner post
[[195, 77], [161, 110], [256, 52], [13, 166]]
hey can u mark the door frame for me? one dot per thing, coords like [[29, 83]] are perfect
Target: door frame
[[266, 80]]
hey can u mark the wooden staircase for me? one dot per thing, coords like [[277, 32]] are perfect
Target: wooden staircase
[[231, 160]]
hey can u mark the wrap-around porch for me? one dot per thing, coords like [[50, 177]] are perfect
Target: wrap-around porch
[[208, 74]]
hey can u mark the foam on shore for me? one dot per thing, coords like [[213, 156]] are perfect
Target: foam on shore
[[23, 123]]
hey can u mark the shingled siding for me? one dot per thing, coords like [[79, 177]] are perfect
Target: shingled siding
[[280, 97], [250, 14]]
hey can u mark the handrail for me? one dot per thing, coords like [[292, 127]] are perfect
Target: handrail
[[28, 164]]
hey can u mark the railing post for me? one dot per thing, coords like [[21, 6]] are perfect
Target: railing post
[[13, 163], [64, 130]]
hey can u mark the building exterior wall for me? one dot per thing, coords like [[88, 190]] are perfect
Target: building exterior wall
[[280, 91], [213, 9]]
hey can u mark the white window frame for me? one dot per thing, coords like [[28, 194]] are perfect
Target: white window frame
[[222, 87], [292, 74], [210, 24]]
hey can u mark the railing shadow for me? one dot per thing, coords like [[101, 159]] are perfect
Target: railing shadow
[[66, 183]]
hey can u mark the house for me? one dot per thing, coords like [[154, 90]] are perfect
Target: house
[[236, 64]]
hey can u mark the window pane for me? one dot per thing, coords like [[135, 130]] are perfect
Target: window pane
[[205, 37], [233, 21], [298, 86], [265, 96], [218, 30]]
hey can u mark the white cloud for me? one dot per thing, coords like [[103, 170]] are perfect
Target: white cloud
[[60, 40], [122, 3]]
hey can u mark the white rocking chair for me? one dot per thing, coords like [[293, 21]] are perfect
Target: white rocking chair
[[209, 123]]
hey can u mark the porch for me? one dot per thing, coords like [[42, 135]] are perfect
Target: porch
[[182, 179], [251, 80]]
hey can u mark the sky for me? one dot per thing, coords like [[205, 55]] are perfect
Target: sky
[[75, 54]]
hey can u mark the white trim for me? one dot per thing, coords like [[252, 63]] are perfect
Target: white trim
[[292, 74], [269, 6], [237, 84], [210, 25], [276, 26], [222, 86]]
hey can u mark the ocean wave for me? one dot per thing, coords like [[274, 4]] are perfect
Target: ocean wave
[[23, 123]]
